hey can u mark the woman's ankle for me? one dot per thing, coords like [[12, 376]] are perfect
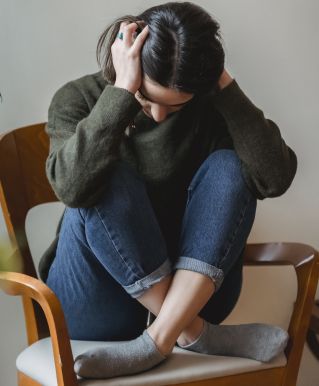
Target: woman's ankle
[[164, 345], [192, 332]]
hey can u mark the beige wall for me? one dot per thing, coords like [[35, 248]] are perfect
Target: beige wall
[[271, 50]]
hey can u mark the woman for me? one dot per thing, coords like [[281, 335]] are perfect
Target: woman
[[160, 159]]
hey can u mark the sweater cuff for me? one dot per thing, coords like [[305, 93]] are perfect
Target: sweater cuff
[[116, 107]]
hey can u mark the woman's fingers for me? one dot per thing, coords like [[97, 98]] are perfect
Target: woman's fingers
[[128, 31], [140, 39], [224, 80]]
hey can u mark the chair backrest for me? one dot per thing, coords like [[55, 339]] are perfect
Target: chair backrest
[[23, 183]]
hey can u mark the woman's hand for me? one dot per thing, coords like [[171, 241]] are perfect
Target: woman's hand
[[224, 80], [126, 57]]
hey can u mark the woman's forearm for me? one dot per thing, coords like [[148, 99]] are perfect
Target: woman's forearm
[[84, 144], [269, 165]]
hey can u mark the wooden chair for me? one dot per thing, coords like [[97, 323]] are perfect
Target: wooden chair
[[23, 152], [313, 331]]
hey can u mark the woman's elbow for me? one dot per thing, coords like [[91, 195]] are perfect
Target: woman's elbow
[[282, 180]]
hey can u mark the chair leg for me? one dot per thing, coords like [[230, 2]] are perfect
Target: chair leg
[[24, 380]]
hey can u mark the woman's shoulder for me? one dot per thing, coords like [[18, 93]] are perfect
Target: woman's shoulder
[[90, 82]]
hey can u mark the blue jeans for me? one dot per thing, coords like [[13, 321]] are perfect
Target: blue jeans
[[110, 254]]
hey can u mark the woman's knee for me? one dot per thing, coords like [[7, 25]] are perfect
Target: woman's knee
[[224, 158], [223, 173], [123, 179], [228, 165], [123, 189]]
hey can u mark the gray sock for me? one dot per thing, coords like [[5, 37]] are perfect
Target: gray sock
[[120, 358], [258, 341]]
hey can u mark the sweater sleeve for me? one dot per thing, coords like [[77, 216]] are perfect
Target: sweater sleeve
[[83, 143], [268, 164]]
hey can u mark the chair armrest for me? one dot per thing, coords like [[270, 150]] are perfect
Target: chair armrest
[[295, 254], [14, 283]]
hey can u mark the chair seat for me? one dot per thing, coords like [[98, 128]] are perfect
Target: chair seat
[[36, 361]]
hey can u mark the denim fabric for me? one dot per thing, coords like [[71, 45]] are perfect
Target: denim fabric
[[219, 214], [110, 254]]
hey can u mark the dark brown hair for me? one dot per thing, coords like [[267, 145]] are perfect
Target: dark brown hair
[[183, 49]]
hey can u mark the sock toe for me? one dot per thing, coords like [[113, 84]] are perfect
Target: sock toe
[[262, 342], [275, 345]]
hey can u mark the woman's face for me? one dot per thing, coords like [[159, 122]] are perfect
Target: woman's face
[[158, 101]]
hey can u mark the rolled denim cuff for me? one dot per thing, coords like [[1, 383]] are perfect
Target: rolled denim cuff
[[191, 264], [139, 287]]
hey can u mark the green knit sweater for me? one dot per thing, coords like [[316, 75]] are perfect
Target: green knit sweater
[[88, 129]]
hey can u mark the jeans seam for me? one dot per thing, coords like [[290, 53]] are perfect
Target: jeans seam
[[191, 187], [80, 213], [114, 246], [235, 231], [189, 193]]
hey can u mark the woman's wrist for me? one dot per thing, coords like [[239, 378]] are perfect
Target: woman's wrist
[[126, 87]]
